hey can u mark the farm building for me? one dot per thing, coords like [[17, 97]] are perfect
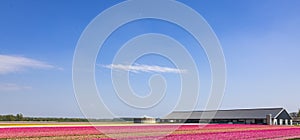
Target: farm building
[[144, 119], [296, 120], [271, 116]]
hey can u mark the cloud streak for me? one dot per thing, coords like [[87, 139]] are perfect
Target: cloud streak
[[12, 64], [13, 87], [144, 68]]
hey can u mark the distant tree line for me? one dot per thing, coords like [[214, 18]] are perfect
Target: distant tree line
[[20, 117]]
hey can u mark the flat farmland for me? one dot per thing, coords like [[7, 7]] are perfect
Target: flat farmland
[[156, 131]]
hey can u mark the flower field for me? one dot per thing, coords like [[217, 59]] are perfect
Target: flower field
[[158, 131]]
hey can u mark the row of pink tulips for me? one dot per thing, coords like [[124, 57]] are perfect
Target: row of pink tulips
[[184, 131]]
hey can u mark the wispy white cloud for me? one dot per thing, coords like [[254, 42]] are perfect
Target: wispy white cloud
[[13, 87], [11, 64], [144, 68]]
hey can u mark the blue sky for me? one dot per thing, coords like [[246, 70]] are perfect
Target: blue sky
[[260, 40]]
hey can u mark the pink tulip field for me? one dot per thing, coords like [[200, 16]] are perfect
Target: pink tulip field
[[158, 131]]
